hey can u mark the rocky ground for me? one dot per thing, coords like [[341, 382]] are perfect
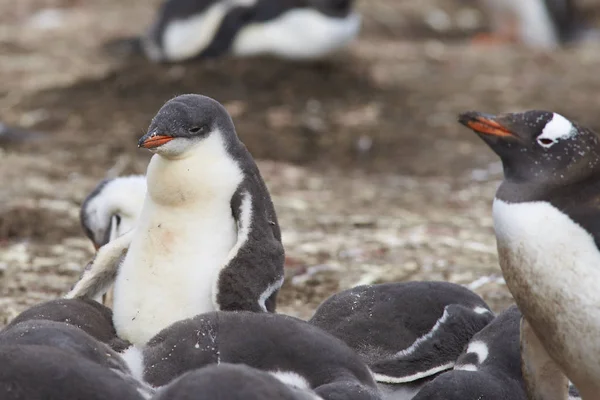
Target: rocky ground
[[372, 177]]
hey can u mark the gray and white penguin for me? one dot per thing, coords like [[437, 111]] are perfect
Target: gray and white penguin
[[408, 332], [542, 24], [34, 372], [231, 382], [548, 231], [489, 368], [112, 208], [294, 351], [88, 315], [291, 29], [207, 237]]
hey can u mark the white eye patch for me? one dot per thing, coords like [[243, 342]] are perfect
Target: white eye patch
[[558, 128]]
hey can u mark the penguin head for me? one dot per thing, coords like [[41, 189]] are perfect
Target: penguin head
[[333, 8], [184, 123], [538, 146], [112, 208]]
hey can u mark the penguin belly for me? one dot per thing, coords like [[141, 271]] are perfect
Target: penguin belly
[[297, 34], [552, 267], [171, 266]]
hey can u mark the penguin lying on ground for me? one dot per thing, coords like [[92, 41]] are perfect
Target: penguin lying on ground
[[86, 314], [110, 211], [548, 231], [231, 382], [292, 29], [407, 333], [33, 372], [207, 237], [489, 368], [294, 351]]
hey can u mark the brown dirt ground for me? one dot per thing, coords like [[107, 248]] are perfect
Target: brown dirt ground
[[415, 205]]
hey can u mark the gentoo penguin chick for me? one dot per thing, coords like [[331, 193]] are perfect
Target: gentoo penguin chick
[[86, 314], [545, 217], [207, 238], [65, 337], [291, 29], [112, 208], [405, 332], [32, 372], [231, 382], [489, 368], [543, 24], [297, 353]]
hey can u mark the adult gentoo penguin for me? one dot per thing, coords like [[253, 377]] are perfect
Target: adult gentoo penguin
[[295, 352], [292, 29], [547, 230], [112, 208], [231, 382], [207, 238], [544, 24], [407, 332], [489, 368]]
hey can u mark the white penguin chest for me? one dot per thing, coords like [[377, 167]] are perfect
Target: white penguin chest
[[171, 268], [552, 268], [297, 34]]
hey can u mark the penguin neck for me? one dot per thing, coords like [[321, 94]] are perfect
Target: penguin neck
[[204, 173]]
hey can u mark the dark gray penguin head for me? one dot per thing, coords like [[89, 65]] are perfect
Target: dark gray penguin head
[[184, 123], [539, 147]]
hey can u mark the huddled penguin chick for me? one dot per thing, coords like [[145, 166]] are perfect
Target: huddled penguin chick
[[86, 314], [545, 217], [231, 382], [65, 337], [292, 29], [489, 368], [112, 208], [33, 372], [406, 332], [543, 24], [207, 237], [297, 353]]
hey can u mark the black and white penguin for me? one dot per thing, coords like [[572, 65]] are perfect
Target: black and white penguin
[[547, 230], [543, 24], [294, 351], [112, 208], [207, 237], [489, 368], [33, 372], [86, 314], [231, 382], [407, 332], [291, 29]]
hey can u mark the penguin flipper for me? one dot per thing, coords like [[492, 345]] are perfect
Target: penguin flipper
[[437, 350], [101, 272], [253, 274], [543, 377]]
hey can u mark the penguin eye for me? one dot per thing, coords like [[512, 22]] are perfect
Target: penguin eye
[[196, 129], [545, 142]]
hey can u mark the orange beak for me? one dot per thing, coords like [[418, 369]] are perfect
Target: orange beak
[[484, 124], [155, 141]]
